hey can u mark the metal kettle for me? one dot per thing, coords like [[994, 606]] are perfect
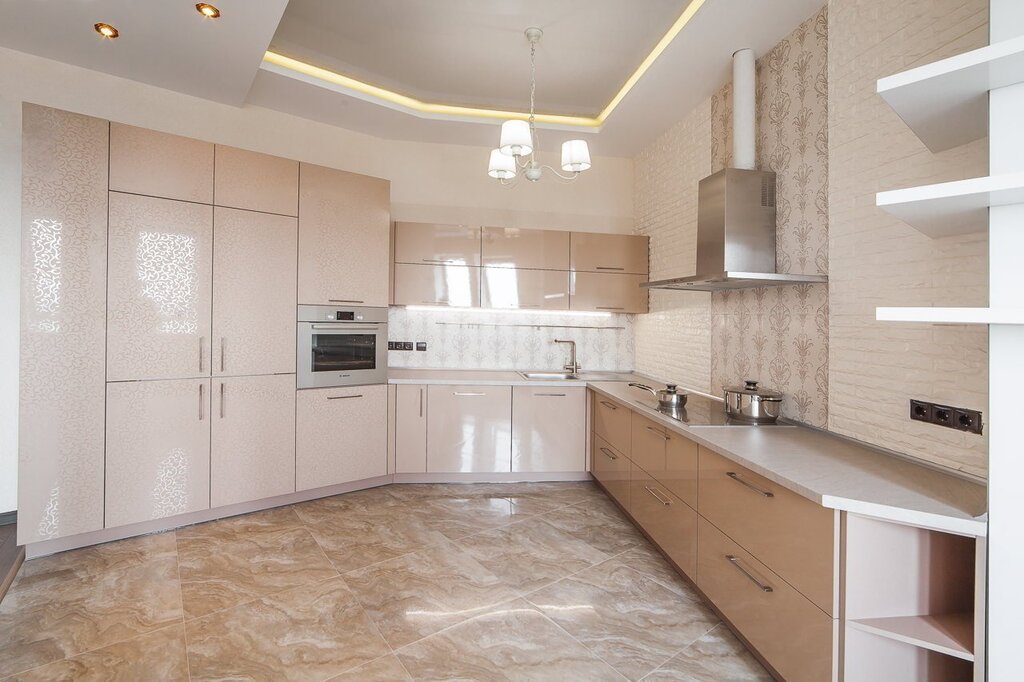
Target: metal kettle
[[667, 397]]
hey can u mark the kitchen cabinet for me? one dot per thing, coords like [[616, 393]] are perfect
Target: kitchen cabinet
[[158, 164], [253, 293], [443, 285], [666, 456], [158, 449], [253, 438], [616, 253], [667, 519], [411, 429], [437, 244], [469, 429], [256, 182], [512, 247], [607, 292], [612, 423], [340, 435], [611, 469], [524, 289], [344, 237], [159, 298], [546, 433]]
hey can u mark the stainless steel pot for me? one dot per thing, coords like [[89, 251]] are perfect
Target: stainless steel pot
[[667, 397], [752, 404]]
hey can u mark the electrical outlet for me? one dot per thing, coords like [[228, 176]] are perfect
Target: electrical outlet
[[968, 420], [941, 414], [407, 345], [920, 411], [421, 345], [958, 418], [392, 344]]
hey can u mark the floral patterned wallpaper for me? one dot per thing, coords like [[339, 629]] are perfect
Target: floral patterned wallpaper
[[779, 336]]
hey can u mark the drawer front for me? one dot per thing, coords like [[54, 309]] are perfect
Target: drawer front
[[611, 422], [611, 468], [793, 634], [680, 475], [666, 518], [792, 535], [647, 445]]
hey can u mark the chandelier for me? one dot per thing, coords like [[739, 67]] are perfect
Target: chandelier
[[515, 150]]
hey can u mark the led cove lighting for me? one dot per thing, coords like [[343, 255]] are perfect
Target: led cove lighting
[[504, 311], [437, 109], [207, 10], [106, 30]]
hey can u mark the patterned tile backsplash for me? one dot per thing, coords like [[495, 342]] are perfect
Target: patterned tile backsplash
[[504, 340]]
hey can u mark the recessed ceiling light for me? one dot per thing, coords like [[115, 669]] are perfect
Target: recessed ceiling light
[[106, 30], [207, 10]]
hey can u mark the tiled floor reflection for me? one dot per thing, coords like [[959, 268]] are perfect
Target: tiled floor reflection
[[521, 581]]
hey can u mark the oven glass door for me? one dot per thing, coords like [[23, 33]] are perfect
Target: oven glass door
[[341, 354]]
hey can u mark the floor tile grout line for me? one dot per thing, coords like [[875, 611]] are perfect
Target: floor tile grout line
[[181, 596], [682, 651]]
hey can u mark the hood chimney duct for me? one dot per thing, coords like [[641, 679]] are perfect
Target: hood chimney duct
[[743, 107]]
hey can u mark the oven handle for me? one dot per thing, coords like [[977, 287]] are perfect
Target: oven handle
[[347, 327]]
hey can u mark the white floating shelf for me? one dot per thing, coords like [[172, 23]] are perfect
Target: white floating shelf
[[949, 208], [951, 315], [945, 103], [951, 634]]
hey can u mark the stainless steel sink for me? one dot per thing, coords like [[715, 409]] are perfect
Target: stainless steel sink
[[550, 376]]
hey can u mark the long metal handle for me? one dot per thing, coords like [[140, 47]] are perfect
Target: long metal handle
[[659, 498], [735, 561], [202, 342], [436, 302], [609, 405], [222, 400], [660, 433], [222, 353], [346, 327], [343, 397], [344, 300], [609, 453], [607, 267], [606, 307], [202, 410], [736, 477], [421, 403], [458, 393], [438, 260], [549, 395]]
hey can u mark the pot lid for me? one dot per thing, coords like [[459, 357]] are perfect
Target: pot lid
[[749, 387]]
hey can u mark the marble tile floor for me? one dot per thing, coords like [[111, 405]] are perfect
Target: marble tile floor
[[522, 581]]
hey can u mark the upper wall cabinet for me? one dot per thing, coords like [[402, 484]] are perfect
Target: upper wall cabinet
[[431, 243], [607, 292], [453, 285], [510, 247], [158, 288], [516, 288], [253, 307], [257, 182], [344, 234], [621, 253], [160, 165]]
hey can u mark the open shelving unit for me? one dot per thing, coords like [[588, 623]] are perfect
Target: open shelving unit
[[951, 316], [948, 633], [950, 208]]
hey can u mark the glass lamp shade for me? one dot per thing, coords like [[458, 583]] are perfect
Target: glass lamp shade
[[575, 156], [516, 139], [502, 167]]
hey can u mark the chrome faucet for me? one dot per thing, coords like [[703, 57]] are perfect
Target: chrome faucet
[[572, 365]]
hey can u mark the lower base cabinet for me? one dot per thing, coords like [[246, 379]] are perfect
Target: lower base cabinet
[[340, 435], [469, 429], [790, 631], [253, 439], [611, 468], [546, 433], [410, 429], [158, 450], [666, 518]]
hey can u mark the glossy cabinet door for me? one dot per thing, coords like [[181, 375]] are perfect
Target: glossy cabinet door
[[437, 244], [253, 293], [158, 288], [549, 429], [666, 518], [607, 292], [611, 421], [596, 252], [344, 237], [469, 429], [256, 182], [450, 285], [158, 449], [340, 435], [160, 165], [63, 319], [648, 442], [253, 442], [611, 469], [411, 429], [525, 289], [512, 247]]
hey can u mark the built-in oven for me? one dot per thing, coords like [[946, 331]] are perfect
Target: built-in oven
[[341, 346]]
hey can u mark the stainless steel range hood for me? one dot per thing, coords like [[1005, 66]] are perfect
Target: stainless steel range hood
[[736, 211]]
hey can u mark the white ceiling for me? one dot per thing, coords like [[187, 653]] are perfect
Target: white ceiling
[[469, 52]]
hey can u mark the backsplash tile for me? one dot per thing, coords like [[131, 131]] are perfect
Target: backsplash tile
[[502, 340]]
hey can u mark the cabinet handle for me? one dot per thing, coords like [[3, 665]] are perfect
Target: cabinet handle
[[607, 307], [222, 353], [437, 302], [202, 342], [529, 305], [346, 327], [421, 403], [736, 477], [202, 411], [549, 395], [735, 561], [438, 260], [222, 400], [607, 267], [343, 397], [343, 300], [467, 394], [654, 430], [609, 405], [659, 498], [609, 453]]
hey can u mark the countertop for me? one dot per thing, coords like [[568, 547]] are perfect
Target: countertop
[[832, 471]]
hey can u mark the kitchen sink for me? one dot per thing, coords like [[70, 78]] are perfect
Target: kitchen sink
[[550, 376]]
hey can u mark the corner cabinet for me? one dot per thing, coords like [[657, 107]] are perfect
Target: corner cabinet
[[344, 234]]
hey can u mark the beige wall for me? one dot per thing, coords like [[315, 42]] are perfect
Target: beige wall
[[876, 260]]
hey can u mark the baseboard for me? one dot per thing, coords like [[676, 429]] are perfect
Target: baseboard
[[493, 477], [7, 518]]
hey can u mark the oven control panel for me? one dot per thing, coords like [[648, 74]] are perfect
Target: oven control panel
[[345, 316]]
